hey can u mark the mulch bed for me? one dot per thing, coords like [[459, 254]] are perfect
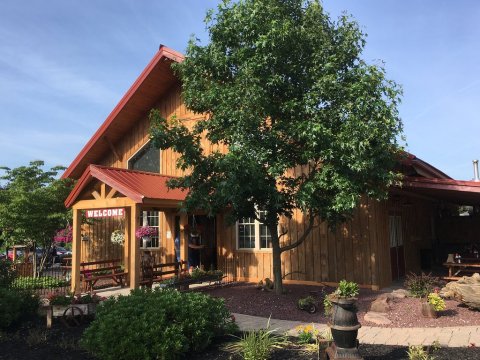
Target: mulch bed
[[246, 299]]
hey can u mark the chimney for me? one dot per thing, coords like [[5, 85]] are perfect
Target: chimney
[[475, 171]]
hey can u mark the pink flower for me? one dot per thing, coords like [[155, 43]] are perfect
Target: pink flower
[[145, 231]]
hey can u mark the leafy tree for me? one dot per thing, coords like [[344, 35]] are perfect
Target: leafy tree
[[31, 205], [283, 86]]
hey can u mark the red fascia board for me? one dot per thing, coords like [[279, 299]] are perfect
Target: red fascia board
[[163, 52], [442, 184], [79, 186]]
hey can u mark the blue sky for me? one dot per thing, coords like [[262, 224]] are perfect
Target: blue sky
[[65, 64]]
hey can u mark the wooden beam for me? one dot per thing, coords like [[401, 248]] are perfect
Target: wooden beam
[[96, 195], [128, 241], [103, 203], [183, 237], [76, 249], [114, 150], [102, 190], [134, 268], [111, 193]]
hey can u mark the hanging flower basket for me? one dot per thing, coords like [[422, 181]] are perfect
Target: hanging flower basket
[[146, 231], [117, 237], [64, 235]]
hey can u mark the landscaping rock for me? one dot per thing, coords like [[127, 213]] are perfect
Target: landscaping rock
[[466, 290], [381, 305], [400, 293], [377, 318]]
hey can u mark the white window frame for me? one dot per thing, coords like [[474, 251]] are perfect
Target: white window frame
[[140, 149], [144, 219], [257, 238]]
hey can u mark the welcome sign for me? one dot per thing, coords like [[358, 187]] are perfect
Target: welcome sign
[[100, 213]]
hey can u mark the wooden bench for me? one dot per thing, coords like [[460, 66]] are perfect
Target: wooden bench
[[455, 270], [159, 272], [92, 271]]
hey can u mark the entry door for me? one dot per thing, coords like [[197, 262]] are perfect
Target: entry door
[[397, 253]]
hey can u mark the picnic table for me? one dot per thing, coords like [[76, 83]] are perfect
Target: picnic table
[[92, 271], [456, 270]]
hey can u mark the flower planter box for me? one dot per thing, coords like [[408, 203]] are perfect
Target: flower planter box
[[86, 309]]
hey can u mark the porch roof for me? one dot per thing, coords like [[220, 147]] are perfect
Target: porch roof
[[139, 186], [459, 192]]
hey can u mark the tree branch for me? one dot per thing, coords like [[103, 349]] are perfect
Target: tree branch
[[311, 226]]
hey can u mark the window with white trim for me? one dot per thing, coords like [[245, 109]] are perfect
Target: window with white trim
[[151, 219], [253, 234]]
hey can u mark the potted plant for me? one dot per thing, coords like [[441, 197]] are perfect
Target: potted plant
[[145, 233], [307, 304], [433, 305], [117, 237], [344, 324]]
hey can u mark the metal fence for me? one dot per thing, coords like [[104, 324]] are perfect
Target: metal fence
[[229, 267], [54, 279]]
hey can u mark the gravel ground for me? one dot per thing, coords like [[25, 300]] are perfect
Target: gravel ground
[[246, 299]]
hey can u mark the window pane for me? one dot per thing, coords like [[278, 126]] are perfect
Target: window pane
[[265, 237], [246, 233], [146, 159]]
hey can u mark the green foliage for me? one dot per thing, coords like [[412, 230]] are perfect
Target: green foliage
[[347, 289], [327, 305], [31, 204], [436, 301], [166, 323], [258, 344], [7, 273], [284, 87], [420, 285], [305, 302], [419, 352], [32, 283], [16, 306], [306, 334]]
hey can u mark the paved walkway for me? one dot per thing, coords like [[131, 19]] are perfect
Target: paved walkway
[[446, 336]]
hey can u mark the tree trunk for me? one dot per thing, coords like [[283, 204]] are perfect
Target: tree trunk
[[276, 261]]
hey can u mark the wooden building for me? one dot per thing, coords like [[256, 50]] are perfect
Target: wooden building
[[122, 186]]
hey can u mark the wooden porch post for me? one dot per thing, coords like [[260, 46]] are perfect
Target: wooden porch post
[[183, 237], [76, 249], [134, 268], [128, 241]]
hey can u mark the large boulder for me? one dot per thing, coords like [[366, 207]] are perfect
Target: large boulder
[[381, 305], [466, 290]]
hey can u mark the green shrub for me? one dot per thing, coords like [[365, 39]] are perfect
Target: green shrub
[[420, 285], [32, 283], [159, 324], [7, 273], [16, 306]]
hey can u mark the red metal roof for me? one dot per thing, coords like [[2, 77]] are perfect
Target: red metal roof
[[139, 186], [153, 82], [455, 191]]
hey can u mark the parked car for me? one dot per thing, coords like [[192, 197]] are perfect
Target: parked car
[[62, 252]]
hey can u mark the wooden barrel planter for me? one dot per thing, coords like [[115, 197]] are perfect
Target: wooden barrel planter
[[428, 310], [344, 326]]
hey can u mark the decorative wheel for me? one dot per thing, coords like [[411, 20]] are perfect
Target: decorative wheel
[[312, 309], [72, 316]]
